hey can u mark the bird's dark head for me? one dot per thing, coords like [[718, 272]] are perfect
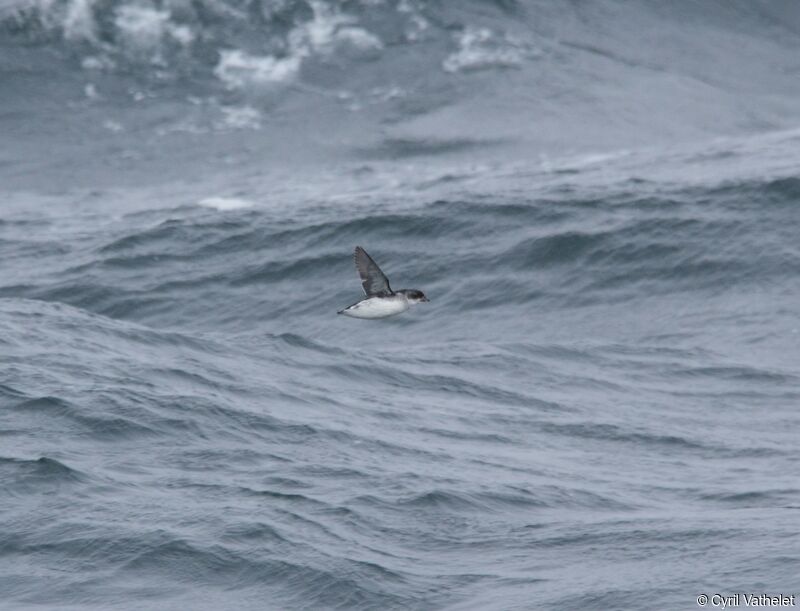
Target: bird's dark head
[[415, 296]]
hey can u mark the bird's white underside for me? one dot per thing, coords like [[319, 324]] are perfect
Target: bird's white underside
[[377, 307]]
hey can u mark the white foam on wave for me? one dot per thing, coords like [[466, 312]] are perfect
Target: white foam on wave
[[162, 33], [329, 31], [113, 126], [359, 38], [141, 26], [96, 62], [480, 49], [225, 204], [145, 29], [79, 23], [240, 117], [238, 69]]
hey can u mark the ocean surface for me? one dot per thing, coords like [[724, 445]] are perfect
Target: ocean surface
[[598, 409]]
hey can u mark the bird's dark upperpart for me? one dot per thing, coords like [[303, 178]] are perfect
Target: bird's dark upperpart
[[414, 295]]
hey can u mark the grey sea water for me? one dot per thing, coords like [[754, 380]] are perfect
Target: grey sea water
[[597, 410]]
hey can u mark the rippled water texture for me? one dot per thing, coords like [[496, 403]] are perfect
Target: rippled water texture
[[596, 410]]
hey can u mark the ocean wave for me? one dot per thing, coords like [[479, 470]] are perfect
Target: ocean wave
[[379, 81], [614, 433], [480, 49], [752, 498], [42, 412], [606, 366], [244, 47], [464, 503], [664, 244], [40, 476]]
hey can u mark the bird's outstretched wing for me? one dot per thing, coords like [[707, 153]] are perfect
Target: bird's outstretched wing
[[372, 278]]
